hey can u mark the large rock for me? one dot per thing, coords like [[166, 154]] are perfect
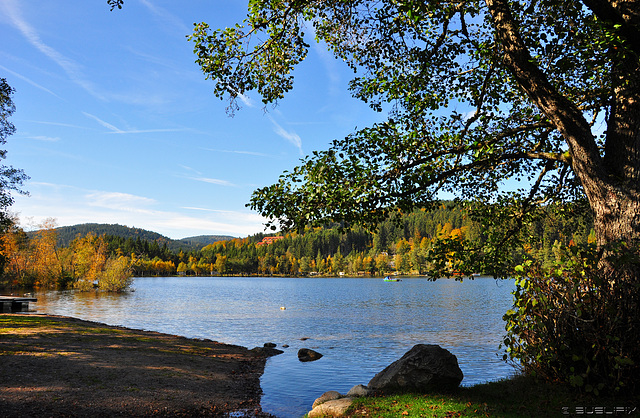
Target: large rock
[[306, 354], [424, 368]]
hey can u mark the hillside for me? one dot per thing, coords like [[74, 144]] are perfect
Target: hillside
[[66, 234], [405, 245], [204, 240]]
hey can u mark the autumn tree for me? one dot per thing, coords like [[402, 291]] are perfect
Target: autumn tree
[[45, 264], [116, 275], [15, 253], [221, 264], [89, 260]]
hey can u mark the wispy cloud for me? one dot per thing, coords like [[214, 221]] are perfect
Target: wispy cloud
[[246, 100], [23, 78], [146, 131], [243, 98], [292, 137], [103, 123], [66, 125], [190, 169], [145, 98], [213, 181], [70, 67], [231, 214], [115, 130], [44, 138], [119, 201], [328, 60], [166, 17], [71, 205], [200, 225], [48, 185], [257, 154]]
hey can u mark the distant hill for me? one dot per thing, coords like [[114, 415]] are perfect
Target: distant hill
[[204, 240], [66, 234]]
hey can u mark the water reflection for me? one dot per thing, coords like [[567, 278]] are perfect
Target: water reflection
[[360, 325]]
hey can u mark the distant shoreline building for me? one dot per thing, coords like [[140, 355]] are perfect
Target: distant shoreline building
[[269, 240]]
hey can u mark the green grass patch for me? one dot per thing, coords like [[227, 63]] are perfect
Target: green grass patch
[[25, 321], [516, 397], [413, 405]]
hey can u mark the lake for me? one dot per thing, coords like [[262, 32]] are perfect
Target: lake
[[359, 325]]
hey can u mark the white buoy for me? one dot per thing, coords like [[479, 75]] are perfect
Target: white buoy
[[282, 308]]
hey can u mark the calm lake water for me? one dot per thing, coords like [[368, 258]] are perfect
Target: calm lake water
[[360, 325]]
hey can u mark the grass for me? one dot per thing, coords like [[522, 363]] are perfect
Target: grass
[[15, 321], [516, 397]]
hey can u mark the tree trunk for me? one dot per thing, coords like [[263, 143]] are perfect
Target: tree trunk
[[617, 224], [611, 181], [617, 208]]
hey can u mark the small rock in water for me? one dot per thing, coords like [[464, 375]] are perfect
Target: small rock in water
[[270, 345], [266, 351], [306, 354]]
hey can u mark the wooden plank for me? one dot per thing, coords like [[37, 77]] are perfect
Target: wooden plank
[[18, 298], [10, 304]]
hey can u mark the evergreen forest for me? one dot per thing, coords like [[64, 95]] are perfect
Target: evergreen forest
[[402, 246]]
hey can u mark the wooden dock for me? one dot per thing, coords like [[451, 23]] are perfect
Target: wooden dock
[[10, 304]]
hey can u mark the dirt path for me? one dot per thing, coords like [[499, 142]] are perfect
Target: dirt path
[[58, 366]]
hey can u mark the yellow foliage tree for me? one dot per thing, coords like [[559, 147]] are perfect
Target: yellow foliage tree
[[116, 275], [14, 249], [89, 260], [45, 264]]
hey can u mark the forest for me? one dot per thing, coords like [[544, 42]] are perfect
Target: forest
[[403, 246], [66, 234]]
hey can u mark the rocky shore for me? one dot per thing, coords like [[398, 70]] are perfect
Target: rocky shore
[[64, 367], [422, 369]]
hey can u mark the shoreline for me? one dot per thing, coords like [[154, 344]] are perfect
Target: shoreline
[[63, 366]]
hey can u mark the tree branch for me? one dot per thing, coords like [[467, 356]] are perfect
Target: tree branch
[[564, 115], [607, 12], [458, 151]]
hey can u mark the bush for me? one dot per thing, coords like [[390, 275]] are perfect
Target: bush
[[116, 275], [575, 324]]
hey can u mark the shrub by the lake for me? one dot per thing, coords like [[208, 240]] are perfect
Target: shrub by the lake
[[570, 323], [116, 275]]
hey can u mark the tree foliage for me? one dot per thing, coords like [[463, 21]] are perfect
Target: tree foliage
[[479, 93], [11, 179], [571, 323], [135, 236], [411, 246], [38, 261]]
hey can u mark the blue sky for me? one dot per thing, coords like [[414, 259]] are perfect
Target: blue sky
[[116, 123]]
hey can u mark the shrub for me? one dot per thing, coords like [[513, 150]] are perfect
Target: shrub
[[116, 275], [575, 324]]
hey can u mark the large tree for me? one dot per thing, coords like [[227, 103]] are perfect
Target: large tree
[[478, 92]]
